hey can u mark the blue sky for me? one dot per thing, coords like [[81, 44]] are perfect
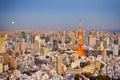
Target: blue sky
[[60, 14]]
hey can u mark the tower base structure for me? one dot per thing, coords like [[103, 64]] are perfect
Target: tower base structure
[[80, 50]]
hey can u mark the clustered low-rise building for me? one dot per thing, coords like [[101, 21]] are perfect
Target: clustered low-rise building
[[53, 55]]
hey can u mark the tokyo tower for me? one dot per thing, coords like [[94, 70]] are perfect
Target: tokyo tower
[[80, 50]]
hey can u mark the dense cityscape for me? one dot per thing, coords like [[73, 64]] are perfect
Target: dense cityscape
[[59, 55]]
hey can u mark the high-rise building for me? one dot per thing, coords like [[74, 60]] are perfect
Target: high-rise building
[[73, 38], [51, 37], [6, 58], [13, 63], [80, 51], [58, 65], [115, 49], [23, 36], [107, 40], [101, 45], [98, 37], [2, 44], [17, 73], [5, 67], [92, 40], [45, 51], [37, 44], [85, 38], [55, 45], [12, 53], [115, 41], [17, 47], [23, 46], [1, 59], [64, 33], [63, 40], [1, 64], [42, 51], [104, 55], [28, 37], [119, 40], [42, 42]]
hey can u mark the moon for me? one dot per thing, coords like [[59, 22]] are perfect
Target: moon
[[12, 22]]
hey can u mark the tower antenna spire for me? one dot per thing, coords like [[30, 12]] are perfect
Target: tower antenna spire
[[80, 24]]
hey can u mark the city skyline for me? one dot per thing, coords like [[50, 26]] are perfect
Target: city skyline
[[59, 15]]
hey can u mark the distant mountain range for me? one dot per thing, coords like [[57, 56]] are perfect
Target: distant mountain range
[[113, 30]]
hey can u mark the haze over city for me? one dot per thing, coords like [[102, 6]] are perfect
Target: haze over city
[[59, 14], [59, 40]]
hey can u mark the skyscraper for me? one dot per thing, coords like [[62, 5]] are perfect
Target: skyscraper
[[80, 51], [73, 38], [58, 64], [23, 46], [2, 44], [92, 40], [37, 44], [97, 37], [101, 45], [115, 49], [23, 36], [28, 37], [85, 38]]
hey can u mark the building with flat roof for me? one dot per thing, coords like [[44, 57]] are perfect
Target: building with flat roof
[[2, 44]]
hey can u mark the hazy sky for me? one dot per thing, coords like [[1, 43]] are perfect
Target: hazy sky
[[60, 14]]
